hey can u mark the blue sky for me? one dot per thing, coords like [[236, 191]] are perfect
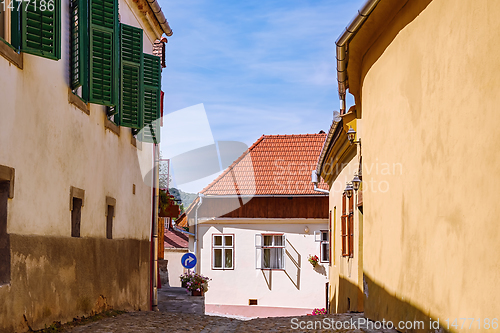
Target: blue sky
[[259, 67]]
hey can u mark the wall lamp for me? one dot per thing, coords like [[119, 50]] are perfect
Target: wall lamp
[[348, 190], [351, 135], [356, 181]]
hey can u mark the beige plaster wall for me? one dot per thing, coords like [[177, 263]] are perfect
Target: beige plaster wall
[[346, 279], [61, 278], [53, 145], [430, 102]]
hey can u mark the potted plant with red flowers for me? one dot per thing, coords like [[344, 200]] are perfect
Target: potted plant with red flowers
[[313, 260]]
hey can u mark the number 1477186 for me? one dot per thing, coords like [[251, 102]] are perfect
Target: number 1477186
[[18, 5]]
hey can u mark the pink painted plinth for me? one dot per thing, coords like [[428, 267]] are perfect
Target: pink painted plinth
[[255, 311]]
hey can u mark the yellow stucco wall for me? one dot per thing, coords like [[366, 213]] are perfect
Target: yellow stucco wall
[[430, 101]]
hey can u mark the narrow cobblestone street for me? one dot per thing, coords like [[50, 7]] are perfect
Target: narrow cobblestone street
[[182, 313]]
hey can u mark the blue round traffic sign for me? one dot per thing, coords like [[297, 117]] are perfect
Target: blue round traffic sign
[[188, 260]]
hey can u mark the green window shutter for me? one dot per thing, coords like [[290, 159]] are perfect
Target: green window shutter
[[40, 27], [131, 64], [103, 64], [152, 92], [79, 46]]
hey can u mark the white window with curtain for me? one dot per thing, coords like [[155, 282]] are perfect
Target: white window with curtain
[[270, 251], [222, 251]]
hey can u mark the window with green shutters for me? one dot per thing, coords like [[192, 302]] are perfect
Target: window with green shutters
[[131, 64], [103, 52], [36, 28], [79, 46], [152, 91]]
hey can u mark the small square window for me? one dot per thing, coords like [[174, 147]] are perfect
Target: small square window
[[110, 214], [76, 217], [109, 222], [4, 237], [76, 203]]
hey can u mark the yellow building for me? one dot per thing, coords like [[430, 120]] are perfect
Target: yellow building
[[425, 76], [78, 80]]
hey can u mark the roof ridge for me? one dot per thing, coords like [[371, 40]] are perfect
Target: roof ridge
[[229, 168]]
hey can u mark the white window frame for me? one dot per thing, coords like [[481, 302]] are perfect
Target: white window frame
[[260, 247], [223, 249]]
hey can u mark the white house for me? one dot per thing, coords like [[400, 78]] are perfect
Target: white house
[[255, 227]]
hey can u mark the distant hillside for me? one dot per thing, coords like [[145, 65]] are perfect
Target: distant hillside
[[185, 198]]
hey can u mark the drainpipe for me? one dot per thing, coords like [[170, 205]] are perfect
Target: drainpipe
[[156, 185], [342, 44], [314, 180], [200, 195]]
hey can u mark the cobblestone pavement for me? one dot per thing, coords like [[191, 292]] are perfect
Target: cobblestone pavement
[[181, 313]]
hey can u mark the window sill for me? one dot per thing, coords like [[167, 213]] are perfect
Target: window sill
[[78, 102], [108, 124], [10, 54]]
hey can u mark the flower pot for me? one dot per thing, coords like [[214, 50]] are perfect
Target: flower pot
[[197, 293]]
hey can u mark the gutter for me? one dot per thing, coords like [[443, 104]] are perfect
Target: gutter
[[155, 7], [176, 228], [342, 45]]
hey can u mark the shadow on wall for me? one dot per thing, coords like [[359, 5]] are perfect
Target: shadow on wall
[[350, 297], [320, 269], [268, 275], [381, 305], [293, 269]]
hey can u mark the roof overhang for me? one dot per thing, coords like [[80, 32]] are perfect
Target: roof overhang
[[374, 17], [154, 16], [337, 149]]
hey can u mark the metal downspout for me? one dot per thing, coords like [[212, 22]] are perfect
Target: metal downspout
[[156, 189], [342, 45], [196, 227], [314, 180]]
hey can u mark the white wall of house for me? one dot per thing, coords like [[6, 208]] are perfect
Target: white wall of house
[[297, 287], [174, 266]]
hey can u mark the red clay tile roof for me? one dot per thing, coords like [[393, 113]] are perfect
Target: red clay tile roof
[[176, 240], [273, 165]]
